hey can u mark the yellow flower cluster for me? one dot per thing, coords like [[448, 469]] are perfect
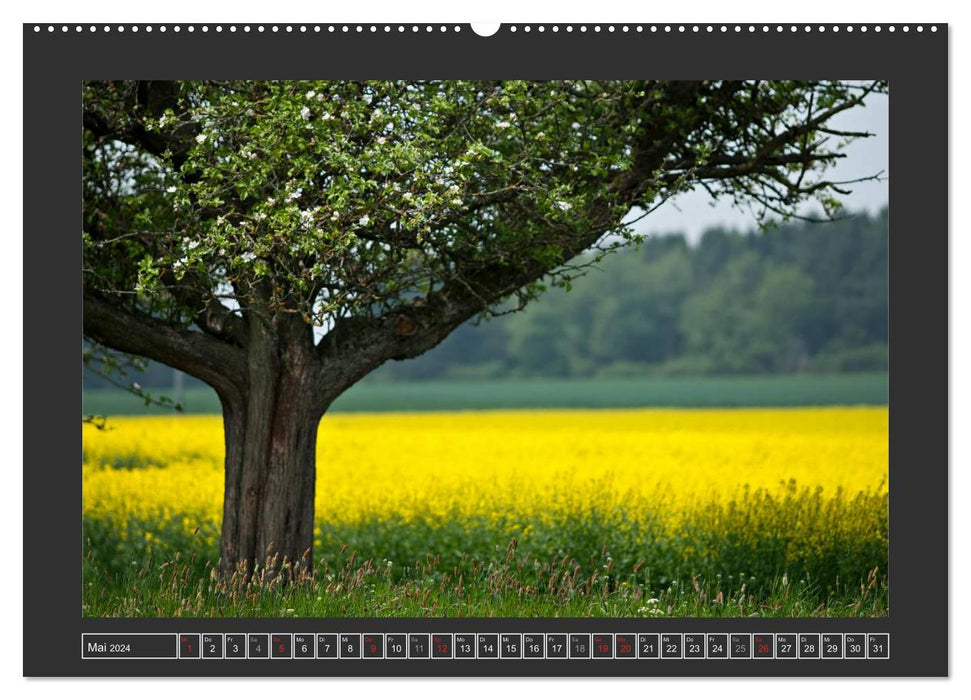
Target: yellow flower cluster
[[504, 466]]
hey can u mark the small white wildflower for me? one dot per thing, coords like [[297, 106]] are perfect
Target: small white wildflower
[[456, 202], [271, 201], [310, 94], [653, 601], [136, 386], [248, 257], [250, 112], [541, 135], [364, 220], [259, 216], [503, 124], [335, 216], [200, 138], [565, 206], [305, 112], [306, 216], [326, 117], [381, 140], [170, 189], [320, 97], [193, 245], [163, 121], [407, 196], [453, 188], [390, 126], [295, 195]]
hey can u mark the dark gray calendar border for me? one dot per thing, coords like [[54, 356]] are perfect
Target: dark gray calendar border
[[915, 63]]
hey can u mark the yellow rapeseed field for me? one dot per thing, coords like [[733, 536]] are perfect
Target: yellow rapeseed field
[[508, 467]]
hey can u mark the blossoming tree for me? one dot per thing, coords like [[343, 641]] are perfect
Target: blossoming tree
[[280, 240]]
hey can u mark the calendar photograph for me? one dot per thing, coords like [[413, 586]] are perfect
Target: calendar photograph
[[485, 349]]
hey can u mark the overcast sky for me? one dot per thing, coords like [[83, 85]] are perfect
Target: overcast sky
[[693, 212]]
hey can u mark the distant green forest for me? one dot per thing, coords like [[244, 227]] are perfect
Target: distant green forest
[[800, 298]]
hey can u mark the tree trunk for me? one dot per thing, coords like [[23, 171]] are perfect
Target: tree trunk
[[271, 436]]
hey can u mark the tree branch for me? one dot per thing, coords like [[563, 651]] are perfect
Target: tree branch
[[219, 364]]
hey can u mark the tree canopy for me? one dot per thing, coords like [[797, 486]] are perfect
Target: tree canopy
[[402, 208]]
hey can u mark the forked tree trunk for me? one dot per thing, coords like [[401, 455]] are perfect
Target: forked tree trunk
[[271, 435]]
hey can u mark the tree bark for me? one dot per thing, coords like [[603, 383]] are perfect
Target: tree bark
[[271, 436]]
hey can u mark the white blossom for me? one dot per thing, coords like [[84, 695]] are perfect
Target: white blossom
[[380, 140], [200, 138], [565, 206], [364, 220], [310, 94], [193, 245], [259, 216], [295, 195], [271, 201], [305, 112], [170, 189], [320, 97], [248, 257], [335, 216], [503, 124], [456, 202], [326, 117], [407, 196]]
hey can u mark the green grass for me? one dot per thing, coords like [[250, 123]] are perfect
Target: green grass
[[449, 395], [796, 555]]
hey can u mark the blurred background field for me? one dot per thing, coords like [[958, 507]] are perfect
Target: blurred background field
[[451, 395]]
